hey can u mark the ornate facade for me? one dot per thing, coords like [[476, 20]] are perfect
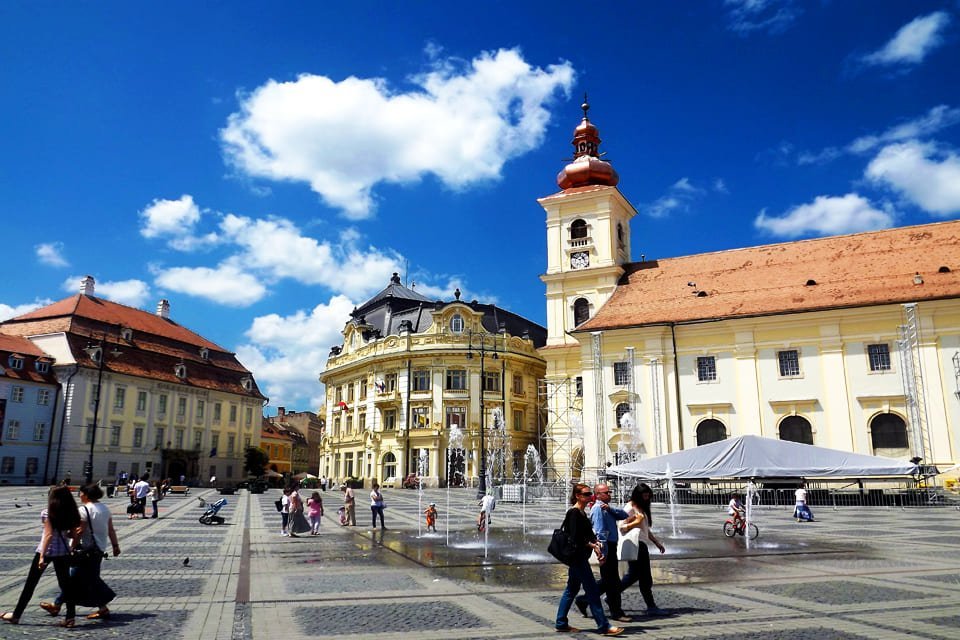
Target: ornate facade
[[411, 372]]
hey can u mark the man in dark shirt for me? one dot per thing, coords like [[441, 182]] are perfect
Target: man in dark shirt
[[604, 519]]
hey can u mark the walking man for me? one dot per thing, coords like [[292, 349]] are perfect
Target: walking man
[[350, 503], [604, 519]]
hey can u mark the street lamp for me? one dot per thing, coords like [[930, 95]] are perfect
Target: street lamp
[[95, 351], [478, 342]]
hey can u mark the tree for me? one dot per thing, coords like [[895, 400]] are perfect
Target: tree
[[255, 460]]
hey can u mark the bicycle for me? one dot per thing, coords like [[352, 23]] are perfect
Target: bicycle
[[737, 526]]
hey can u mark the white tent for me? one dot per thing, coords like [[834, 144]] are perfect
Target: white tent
[[757, 457]]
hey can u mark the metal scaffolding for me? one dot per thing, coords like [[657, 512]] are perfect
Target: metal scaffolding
[[911, 371], [560, 428]]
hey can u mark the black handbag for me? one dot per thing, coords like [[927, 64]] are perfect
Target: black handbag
[[562, 546]]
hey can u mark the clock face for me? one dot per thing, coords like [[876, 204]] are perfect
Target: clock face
[[580, 260]]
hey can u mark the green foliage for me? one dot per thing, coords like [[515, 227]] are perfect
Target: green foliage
[[255, 461]]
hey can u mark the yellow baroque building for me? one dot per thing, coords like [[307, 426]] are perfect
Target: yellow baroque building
[[411, 371], [850, 342]]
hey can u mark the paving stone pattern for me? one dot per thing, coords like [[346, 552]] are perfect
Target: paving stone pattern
[[840, 592], [327, 582], [422, 617], [142, 625]]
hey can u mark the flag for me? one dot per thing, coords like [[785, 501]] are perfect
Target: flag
[[213, 452], [343, 406], [380, 385]]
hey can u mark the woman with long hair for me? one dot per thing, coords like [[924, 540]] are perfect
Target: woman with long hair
[[578, 528], [639, 570], [51, 547], [96, 529]]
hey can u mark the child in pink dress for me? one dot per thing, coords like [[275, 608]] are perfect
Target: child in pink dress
[[315, 512]]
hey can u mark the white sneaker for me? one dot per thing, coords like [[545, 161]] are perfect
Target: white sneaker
[[284, 533]]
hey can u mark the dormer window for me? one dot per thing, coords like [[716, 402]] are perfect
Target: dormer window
[[204, 353], [180, 371], [15, 362], [42, 366], [126, 334], [456, 324], [247, 383]]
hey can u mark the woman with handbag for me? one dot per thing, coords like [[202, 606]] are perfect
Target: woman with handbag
[[298, 521], [96, 527], [577, 526], [51, 546], [636, 529]]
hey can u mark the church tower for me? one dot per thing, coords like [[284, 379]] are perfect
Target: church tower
[[588, 236]]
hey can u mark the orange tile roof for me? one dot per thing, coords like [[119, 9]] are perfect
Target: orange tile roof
[[856, 270], [94, 308], [15, 345]]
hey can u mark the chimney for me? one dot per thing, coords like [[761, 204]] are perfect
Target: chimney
[[87, 286], [281, 412], [163, 309]]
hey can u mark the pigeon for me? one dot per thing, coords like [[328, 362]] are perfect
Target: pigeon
[[28, 504], [186, 562], [16, 505]]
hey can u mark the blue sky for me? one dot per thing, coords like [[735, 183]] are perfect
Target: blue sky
[[267, 166]]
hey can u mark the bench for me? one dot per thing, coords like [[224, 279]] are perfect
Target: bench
[[179, 488]]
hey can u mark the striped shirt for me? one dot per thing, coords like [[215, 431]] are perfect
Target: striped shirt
[[58, 543]]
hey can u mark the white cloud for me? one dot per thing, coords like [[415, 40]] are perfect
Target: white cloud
[[720, 186], [461, 124], [912, 42], [679, 197], [926, 176], [826, 215], [51, 253], [772, 16], [936, 119], [174, 220], [133, 293], [226, 284], [7, 311], [287, 353]]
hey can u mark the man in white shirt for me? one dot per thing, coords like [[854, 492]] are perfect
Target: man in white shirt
[[140, 491]]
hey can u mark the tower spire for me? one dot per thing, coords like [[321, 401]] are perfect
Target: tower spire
[[587, 168]]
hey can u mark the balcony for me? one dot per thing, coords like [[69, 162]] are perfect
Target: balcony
[[456, 393]]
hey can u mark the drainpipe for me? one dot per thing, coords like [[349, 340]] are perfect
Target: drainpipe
[[676, 382]]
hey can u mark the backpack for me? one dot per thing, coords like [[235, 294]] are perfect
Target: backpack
[[279, 505]]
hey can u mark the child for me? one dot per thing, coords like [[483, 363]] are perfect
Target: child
[[487, 504], [342, 514], [315, 512], [735, 509], [431, 514]]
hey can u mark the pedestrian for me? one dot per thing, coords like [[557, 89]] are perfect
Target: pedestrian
[[431, 515], [298, 522], [49, 547], [315, 512], [156, 493], [579, 574], [96, 529], [349, 504], [604, 519], [488, 504], [62, 524], [323, 483], [802, 511], [637, 531], [376, 506], [285, 512]]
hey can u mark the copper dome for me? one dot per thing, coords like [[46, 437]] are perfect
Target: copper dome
[[587, 168]]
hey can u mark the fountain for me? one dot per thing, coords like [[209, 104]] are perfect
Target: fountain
[[531, 457], [422, 469], [628, 448], [454, 443], [674, 509], [748, 516]]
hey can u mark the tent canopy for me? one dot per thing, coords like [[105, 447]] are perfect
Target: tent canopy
[[270, 473], [757, 457], [304, 475]]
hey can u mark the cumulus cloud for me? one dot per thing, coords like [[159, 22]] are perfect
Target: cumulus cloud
[[461, 124], [175, 221], [226, 284], [51, 253], [912, 42], [919, 171], [936, 119], [826, 215], [288, 353], [679, 197], [133, 293], [12, 311], [773, 16]]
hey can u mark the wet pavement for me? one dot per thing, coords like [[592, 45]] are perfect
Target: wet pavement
[[856, 573]]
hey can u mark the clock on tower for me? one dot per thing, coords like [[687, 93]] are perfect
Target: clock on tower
[[580, 260]]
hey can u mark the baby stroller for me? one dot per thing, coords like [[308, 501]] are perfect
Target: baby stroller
[[342, 514], [210, 515]]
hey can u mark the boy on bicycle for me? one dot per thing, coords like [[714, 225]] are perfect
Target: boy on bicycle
[[735, 510]]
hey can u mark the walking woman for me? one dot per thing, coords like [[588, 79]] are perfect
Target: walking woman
[[51, 546], [578, 527], [96, 528], [376, 506], [638, 510]]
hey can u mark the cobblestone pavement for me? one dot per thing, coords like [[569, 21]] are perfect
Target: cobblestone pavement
[[856, 573]]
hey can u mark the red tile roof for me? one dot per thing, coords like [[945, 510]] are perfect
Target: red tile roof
[[862, 269], [15, 345]]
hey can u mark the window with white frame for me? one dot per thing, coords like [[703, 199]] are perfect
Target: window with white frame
[[214, 441], [39, 431], [421, 417], [231, 442], [162, 404], [421, 380], [115, 431], [348, 424], [201, 405], [216, 412], [456, 323], [43, 396], [119, 398], [141, 402], [455, 415], [491, 381], [15, 362], [361, 423], [197, 438], [518, 384], [158, 438], [789, 363], [248, 417], [456, 379], [16, 394], [13, 430], [621, 373], [138, 437], [363, 389], [390, 382], [518, 419], [181, 407], [706, 368], [879, 355], [389, 420], [42, 366], [178, 439], [621, 410], [233, 414]]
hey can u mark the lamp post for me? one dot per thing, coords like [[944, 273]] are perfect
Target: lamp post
[[95, 351], [478, 342]]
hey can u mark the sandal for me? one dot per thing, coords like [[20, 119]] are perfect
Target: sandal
[[67, 623], [51, 608], [101, 614], [9, 617]]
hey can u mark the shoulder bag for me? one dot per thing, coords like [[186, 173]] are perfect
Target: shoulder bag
[[562, 546]]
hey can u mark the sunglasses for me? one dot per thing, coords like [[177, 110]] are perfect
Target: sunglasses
[[587, 494]]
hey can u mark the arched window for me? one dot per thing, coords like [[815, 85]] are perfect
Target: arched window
[[888, 431], [710, 431], [581, 311], [622, 409], [578, 229], [796, 429], [389, 465], [619, 234], [456, 324]]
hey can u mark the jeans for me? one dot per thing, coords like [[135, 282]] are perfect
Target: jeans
[[61, 564], [314, 523], [154, 509], [610, 582], [580, 574], [284, 519], [375, 511], [639, 571]]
